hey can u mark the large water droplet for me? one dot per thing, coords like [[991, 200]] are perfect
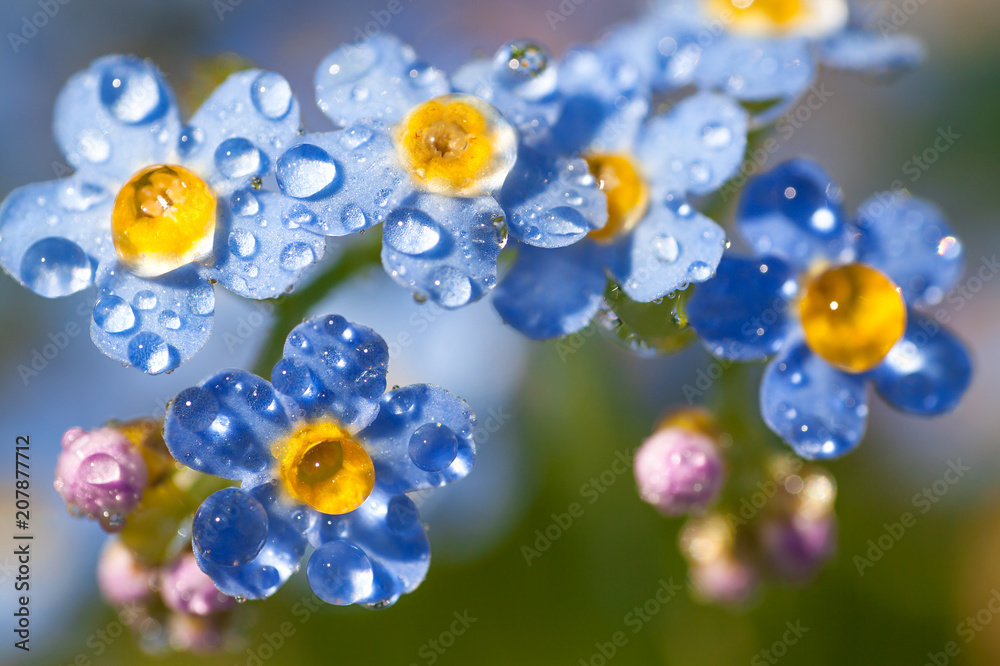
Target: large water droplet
[[144, 300], [150, 353], [353, 218], [296, 256], [450, 287], [305, 171], [55, 267], [238, 158], [131, 92], [191, 139], [433, 447], [699, 271], [411, 231], [272, 95], [201, 300], [716, 136], [100, 469], [244, 203], [666, 248]]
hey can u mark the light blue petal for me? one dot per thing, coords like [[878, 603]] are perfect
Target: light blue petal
[[444, 248], [551, 293], [742, 313], [225, 425], [421, 438], [240, 130], [552, 201], [663, 45], [605, 101], [878, 55], [819, 410], [909, 240], [264, 243], [153, 324], [334, 369], [795, 212], [521, 80], [377, 78], [671, 247], [757, 69], [373, 554], [696, 147], [116, 117], [53, 234], [350, 178], [278, 559], [928, 370]]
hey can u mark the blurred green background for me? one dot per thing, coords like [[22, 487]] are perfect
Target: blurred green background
[[571, 413]]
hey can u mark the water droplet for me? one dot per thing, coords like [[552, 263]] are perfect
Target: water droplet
[[299, 216], [355, 137], [55, 267], [244, 203], [716, 135], [360, 93], [81, 196], [242, 243], [450, 287], [149, 352], [701, 172], [382, 197], [353, 218], [699, 271], [305, 171], [272, 95], [100, 469], [191, 139], [433, 447], [411, 231], [401, 401], [169, 319], [296, 256], [131, 92], [238, 158], [201, 300], [144, 300], [666, 248]]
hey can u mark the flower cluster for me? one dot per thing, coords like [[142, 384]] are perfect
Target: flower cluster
[[599, 166]]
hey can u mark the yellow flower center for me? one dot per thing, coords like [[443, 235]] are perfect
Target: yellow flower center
[[163, 218], [628, 196], [457, 145], [322, 466], [779, 17], [852, 316]]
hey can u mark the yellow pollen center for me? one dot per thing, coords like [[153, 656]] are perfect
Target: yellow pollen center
[[456, 145], [323, 467], [852, 316], [777, 12], [626, 191], [163, 218]]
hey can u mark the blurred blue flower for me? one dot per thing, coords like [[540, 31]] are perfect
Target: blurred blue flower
[[655, 241], [275, 438], [441, 239], [735, 48], [118, 118], [756, 307]]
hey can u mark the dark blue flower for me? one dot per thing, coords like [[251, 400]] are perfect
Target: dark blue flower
[[794, 219], [322, 426]]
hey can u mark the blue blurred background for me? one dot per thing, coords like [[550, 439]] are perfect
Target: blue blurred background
[[560, 420]]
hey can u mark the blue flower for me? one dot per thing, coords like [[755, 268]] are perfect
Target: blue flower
[[714, 45], [655, 242], [813, 393], [116, 121], [444, 222], [323, 434]]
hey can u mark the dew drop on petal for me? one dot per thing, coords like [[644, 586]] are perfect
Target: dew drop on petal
[[411, 231], [149, 352], [296, 256], [242, 243], [238, 158], [305, 171], [433, 447], [271, 95], [450, 287], [131, 93], [144, 300], [55, 267]]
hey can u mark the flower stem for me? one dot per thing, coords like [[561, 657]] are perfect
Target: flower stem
[[291, 309]]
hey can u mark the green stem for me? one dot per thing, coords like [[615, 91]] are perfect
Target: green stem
[[291, 309]]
